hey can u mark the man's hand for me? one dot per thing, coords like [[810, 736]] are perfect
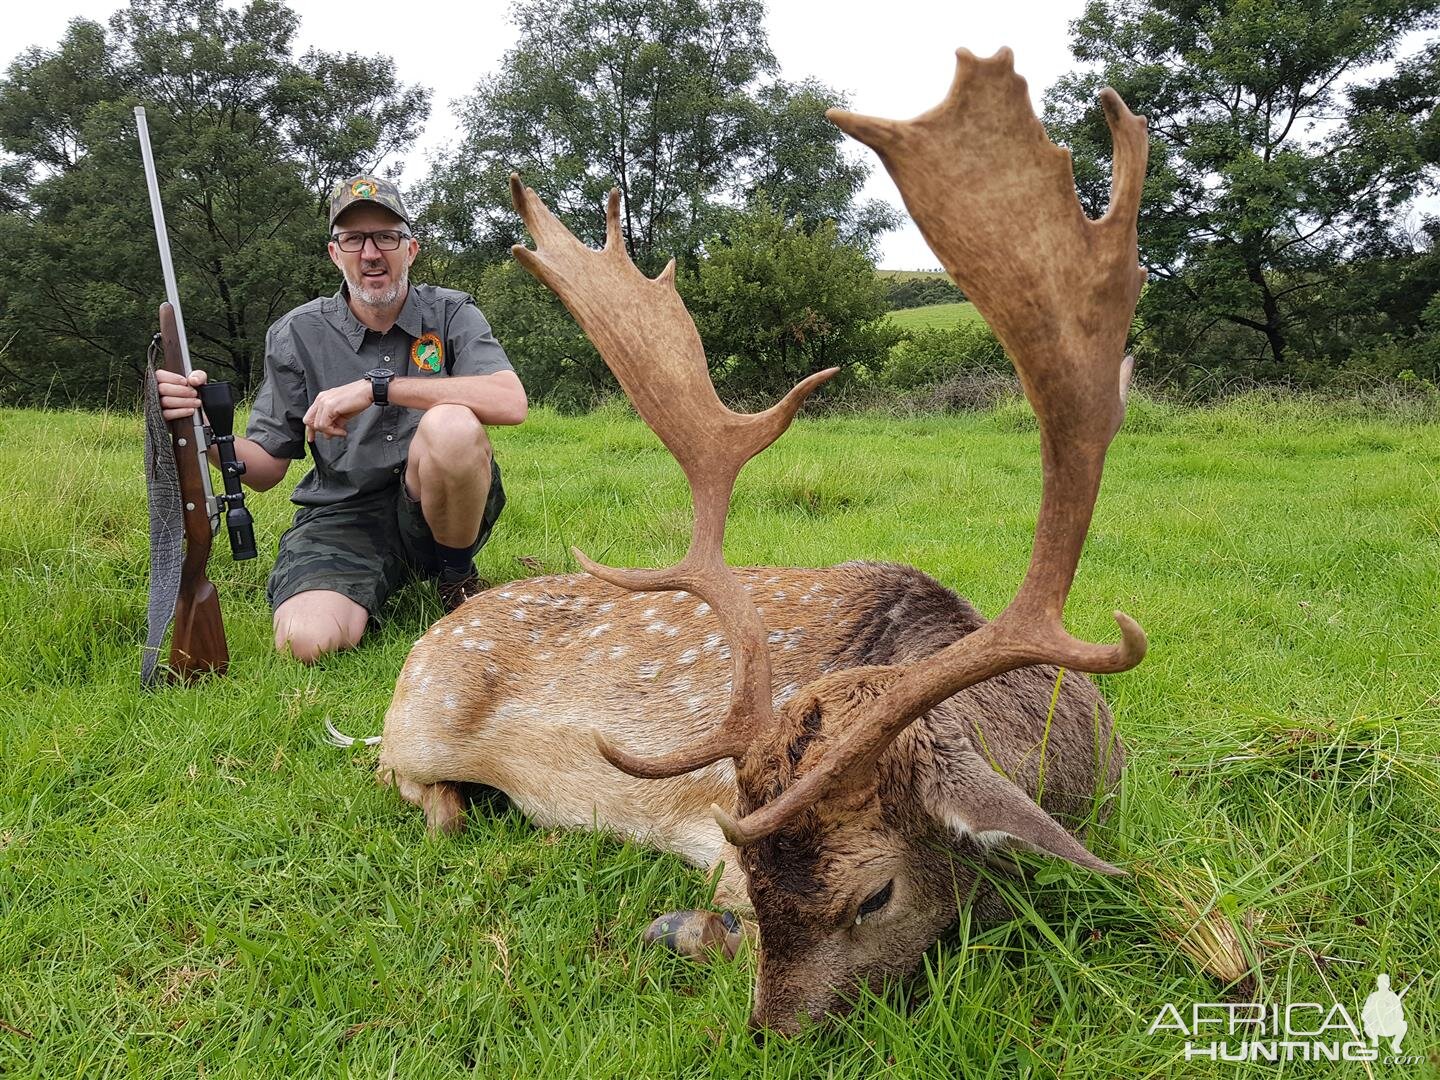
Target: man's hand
[[178, 396], [332, 409]]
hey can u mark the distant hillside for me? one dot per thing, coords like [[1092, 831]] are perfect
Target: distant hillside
[[941, 315], [918, 288], [905, 275]]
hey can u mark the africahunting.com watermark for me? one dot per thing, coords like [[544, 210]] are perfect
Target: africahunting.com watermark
[[1296, 1031]]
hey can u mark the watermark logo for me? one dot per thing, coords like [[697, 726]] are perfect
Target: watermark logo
[[1384, 1015], [1296, 1031]]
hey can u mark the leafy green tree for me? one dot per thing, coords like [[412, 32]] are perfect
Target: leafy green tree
[[1273, 161], [247, 141], [798, 167], [775, 301], [672, 101], [560, 366]]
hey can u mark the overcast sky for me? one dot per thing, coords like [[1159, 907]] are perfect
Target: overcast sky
[[893, 58]]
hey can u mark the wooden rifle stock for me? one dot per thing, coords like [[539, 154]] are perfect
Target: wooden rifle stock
[[197, 642]]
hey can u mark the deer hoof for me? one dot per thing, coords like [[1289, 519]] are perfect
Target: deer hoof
[[444, 808], [697, 934]]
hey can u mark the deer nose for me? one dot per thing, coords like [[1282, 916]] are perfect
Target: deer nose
[[762, 1027]]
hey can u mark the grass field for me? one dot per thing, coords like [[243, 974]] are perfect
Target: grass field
[[192, 883], [933, 315]]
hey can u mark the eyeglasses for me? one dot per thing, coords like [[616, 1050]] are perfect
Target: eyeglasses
[[384, 239]]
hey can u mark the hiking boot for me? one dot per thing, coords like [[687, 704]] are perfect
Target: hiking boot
[[455, 589]]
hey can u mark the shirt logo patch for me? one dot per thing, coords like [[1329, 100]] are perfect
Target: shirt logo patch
[[363, 189], [427, 352]]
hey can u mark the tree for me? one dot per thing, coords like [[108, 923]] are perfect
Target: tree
[[775, 301], [247, 143], [1269, 171], [800, 170], [673, 102]]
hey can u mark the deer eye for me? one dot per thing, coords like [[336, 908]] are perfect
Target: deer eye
[[875, 901]]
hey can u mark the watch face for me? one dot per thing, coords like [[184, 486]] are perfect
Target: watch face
[[380, 373]]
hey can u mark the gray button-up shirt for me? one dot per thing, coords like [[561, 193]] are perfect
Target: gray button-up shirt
[[320, 345]]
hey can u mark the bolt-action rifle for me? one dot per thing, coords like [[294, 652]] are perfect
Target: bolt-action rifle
[[182, 502]]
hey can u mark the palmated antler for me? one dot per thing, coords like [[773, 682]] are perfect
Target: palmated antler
[[995, 199], [643, 332]]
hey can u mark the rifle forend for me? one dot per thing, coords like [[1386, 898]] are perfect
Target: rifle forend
[[197, 643]]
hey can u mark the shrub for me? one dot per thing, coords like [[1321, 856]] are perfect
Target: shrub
[[775, 301], [927, 358]]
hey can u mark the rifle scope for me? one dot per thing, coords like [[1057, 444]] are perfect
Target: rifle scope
[[219, 406]]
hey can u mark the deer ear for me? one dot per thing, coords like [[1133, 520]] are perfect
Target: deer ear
[[978, 802]]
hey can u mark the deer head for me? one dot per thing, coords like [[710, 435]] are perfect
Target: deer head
[[851, 814]]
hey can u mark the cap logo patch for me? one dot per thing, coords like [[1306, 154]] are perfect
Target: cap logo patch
[[427, 352], [364, 189]]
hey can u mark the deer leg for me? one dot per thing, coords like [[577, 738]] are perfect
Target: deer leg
[[442, 801], [700, 934]]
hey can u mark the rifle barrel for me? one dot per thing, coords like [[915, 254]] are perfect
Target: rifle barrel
[[172, 294]]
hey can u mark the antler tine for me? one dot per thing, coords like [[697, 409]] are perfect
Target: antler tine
[[647, 338], [995, 199]]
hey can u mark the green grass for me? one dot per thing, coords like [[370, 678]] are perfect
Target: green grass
[[933, 315], [193, 883]]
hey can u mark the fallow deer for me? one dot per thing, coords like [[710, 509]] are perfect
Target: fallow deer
[[849, 742]]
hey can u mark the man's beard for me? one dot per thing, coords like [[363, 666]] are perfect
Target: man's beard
[[369, 295]]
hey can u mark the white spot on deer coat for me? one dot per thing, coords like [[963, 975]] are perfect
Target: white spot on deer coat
[[689, 656], [702, 608], [649, 669], [617, 651], [596, 631]]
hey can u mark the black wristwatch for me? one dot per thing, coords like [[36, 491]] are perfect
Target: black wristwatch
[[380, 384]]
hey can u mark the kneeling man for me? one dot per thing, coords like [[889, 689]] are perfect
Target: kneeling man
[[391, 386]]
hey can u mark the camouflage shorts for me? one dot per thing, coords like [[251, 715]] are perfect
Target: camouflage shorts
[[365, 548]]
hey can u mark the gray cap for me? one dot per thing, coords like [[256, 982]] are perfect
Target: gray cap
[[366, 188]]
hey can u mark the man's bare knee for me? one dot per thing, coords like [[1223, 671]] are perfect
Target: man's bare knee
[[311, 625], [452, 438]]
